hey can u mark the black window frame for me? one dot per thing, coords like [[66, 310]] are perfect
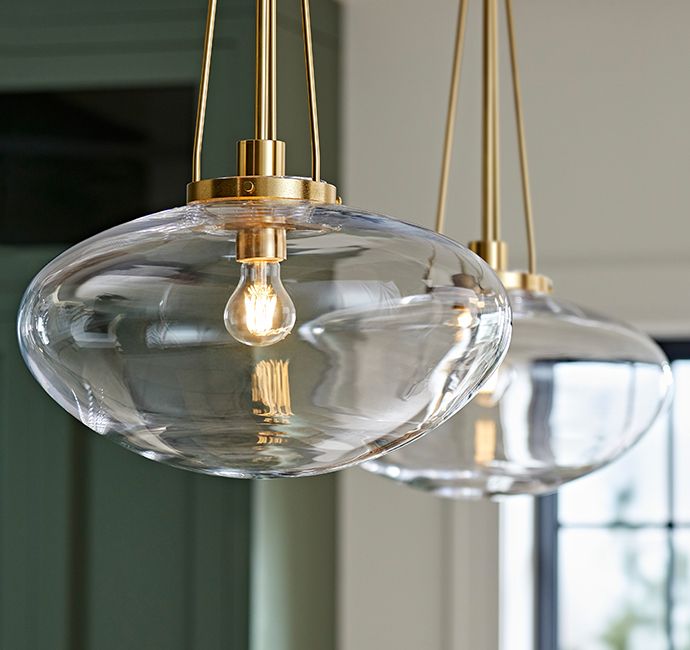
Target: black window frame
[[546, 539]]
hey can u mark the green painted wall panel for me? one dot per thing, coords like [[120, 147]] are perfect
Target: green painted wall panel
[[293, 565], [139, 518], [35, 468], [36, 465], [99, 548]]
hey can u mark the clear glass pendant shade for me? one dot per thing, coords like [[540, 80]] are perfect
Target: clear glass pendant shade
[[574, 392], [369, 333]]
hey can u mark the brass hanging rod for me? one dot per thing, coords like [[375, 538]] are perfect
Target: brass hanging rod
[[522, 144], [491, 229], [311, 88], [203, 91], [450, 116]]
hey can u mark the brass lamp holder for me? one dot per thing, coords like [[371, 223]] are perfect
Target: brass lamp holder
[[490, 247], [261, 161], [495, 253]]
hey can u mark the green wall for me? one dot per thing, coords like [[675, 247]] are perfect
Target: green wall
[[99, 548]]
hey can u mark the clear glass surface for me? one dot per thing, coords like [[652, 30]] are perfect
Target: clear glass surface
[[575, 391], [612, 589], [631, 490], [680, 422], [681, 589], [395, 328]]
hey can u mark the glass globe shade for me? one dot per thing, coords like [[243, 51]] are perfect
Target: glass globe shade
[[573, 393], [376, 331]]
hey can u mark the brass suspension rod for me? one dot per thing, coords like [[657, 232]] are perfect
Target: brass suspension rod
[[311, 90], [203, 91], [265, 104], [522, 144], [451, 115], [490, 149]]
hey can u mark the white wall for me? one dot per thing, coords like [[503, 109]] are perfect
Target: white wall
[[607, 98]]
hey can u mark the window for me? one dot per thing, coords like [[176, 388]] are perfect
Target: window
[[614, 561]]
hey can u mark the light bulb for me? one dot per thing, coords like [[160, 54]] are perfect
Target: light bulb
[[260, 311]]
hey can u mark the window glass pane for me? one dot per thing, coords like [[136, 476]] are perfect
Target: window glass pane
[[633, 489], [612, 589], [681, 441], [681, 591]]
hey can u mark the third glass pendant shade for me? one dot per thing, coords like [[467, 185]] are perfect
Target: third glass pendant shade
[[264, 330]]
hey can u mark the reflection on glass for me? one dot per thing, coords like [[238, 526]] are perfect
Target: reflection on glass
[[613, 589], [484, 441], [271, 389]]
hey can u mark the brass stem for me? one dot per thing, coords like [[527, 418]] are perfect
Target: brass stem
[[203, 91], [450, 116], [490, 153], [265, 106], [272, 72], [311, 89], [520, 123]]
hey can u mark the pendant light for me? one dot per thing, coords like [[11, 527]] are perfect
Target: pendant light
[[575, 389], [263, 330]]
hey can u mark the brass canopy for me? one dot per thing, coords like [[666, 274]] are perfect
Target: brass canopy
[[260, 175], [261, 187]]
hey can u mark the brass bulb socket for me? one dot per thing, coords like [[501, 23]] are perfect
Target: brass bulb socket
[[261, 245], [494, 253], [261, 158]]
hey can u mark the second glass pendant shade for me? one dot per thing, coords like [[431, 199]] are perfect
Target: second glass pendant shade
[[167, 336], [574, 392]]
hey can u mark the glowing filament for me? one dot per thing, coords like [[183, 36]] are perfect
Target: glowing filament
[[260, 303]]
